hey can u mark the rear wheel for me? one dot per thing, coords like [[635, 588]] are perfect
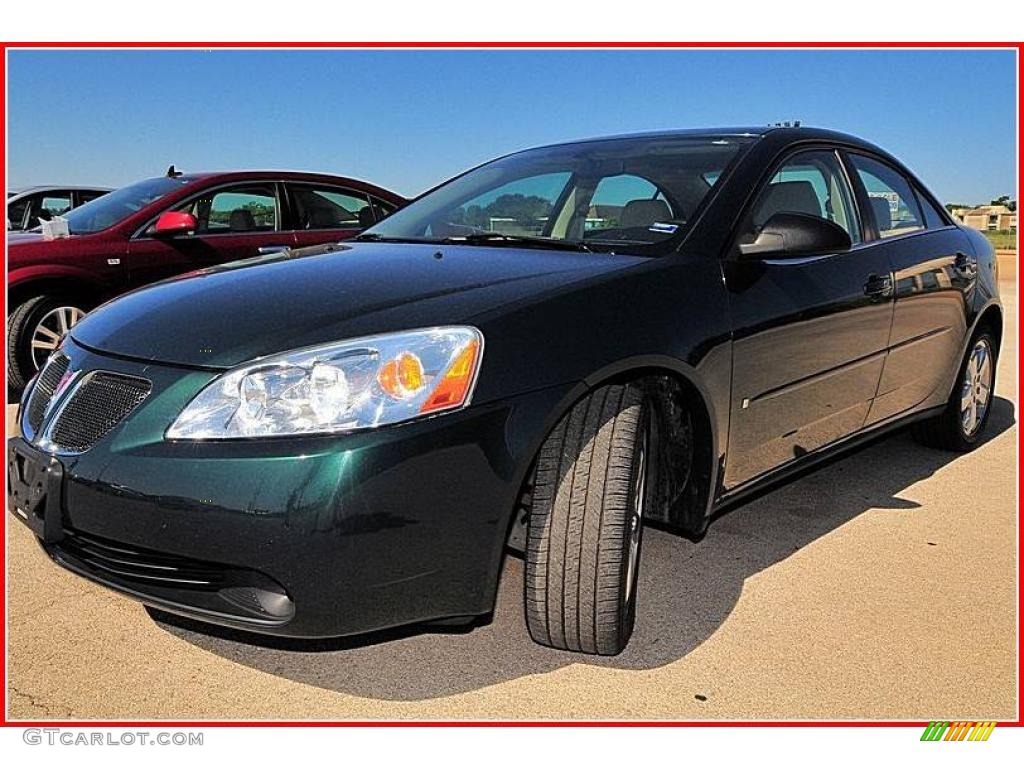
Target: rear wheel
[[960, 425], [35, 329], [591, 486]]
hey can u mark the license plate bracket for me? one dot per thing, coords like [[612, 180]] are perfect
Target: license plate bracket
[[35, 485]]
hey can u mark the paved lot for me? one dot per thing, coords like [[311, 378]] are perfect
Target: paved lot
[[882, 586]]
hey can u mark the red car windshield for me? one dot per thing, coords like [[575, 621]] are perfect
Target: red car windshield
[[104, 212]]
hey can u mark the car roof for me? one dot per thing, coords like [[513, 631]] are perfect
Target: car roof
[[56, 187], [285, 175], [778, 131]]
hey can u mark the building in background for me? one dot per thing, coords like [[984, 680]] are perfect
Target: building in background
[[992, 218]]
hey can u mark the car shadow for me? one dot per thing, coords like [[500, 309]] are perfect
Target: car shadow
[[687, 590]]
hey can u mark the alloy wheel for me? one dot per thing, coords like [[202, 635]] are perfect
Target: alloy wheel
[[976, 387], [51, 330]]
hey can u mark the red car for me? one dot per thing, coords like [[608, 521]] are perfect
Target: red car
[[166, 226]]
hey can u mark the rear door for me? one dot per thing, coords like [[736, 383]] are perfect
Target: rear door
[[810, 334], [935, 272], [322, 213], [235, 221]]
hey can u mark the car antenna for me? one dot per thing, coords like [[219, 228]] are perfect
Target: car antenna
[[172, 173], [786, 124]]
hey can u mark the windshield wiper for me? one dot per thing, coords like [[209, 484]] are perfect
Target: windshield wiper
[[536, 242]]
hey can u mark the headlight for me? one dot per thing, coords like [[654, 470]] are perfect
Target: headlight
[[356, 384]]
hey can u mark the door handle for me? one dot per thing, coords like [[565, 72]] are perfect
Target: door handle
[[878, 286], [965, 264], [266, 250]]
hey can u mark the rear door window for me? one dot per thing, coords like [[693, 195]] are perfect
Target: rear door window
[[319, 207], [893, 202], [932, 218]]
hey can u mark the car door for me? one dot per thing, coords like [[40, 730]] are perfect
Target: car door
[[809, 334], [934, 270], [322, 213], [234, 221]]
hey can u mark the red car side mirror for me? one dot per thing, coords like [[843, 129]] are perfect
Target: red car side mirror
[[175, 223]]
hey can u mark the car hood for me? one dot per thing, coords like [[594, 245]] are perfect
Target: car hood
[[221, 317], [29, 247]]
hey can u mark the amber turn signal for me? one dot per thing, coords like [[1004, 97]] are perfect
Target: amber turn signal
[[453, 388]]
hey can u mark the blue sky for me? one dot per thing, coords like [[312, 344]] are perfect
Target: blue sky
[[409, 119]]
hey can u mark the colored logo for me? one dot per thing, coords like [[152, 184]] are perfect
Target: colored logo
[[959, 731]]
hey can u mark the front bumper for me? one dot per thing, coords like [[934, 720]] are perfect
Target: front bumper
[[307, 537]]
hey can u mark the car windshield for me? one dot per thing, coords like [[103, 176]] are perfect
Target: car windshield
[[108, 210], [625, 195]]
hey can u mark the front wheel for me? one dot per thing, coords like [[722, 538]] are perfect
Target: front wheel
[[591, 487], [960, 425], [35, 329]]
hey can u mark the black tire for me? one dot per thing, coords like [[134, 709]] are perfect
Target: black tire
[[578, 591], [21, 324], [947, 431]]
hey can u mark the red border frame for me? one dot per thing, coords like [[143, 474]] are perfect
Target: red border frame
[[4, 722]]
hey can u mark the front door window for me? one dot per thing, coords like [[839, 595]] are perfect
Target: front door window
[[242, 209]]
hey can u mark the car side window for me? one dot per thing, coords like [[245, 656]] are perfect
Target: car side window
[[382, 208], [45, 206], [811, 183], [245, 208], [56, 203], [932, 218], [87, 196], [893, 202], [330, 208], [16, 212]]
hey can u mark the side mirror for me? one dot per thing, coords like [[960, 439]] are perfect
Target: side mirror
[[794, 235], [173, 223]]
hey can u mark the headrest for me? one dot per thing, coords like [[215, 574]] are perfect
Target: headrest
[[643, 213], [319, 218], [366, 217], [883, 213], [788, 197], [241, 220]]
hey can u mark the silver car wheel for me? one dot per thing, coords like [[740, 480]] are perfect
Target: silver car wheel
[[976, 388], [50, 332]]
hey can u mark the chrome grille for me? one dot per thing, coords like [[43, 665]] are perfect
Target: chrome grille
[[47, 382], [99, 404]]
